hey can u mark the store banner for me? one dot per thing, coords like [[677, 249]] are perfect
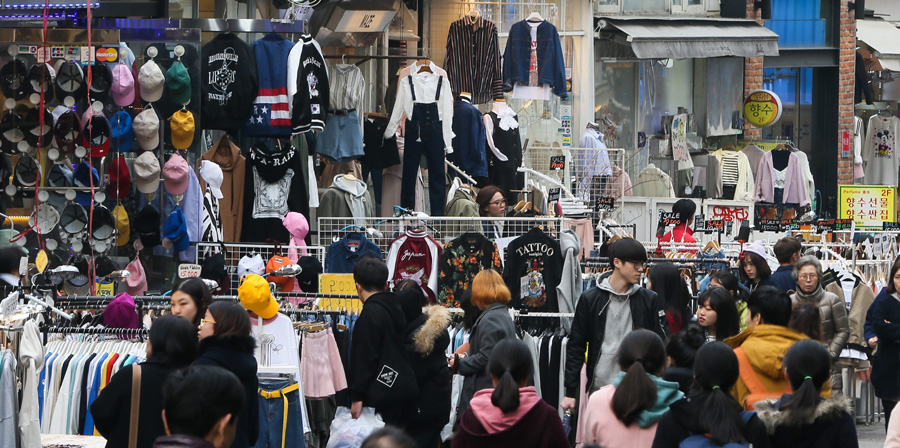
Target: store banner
[[762, 108], [869, 205]]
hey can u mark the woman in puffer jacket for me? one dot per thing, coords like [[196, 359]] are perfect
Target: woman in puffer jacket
[[833, 312]]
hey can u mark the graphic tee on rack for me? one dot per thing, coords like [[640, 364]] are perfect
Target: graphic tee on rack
[[533, 271], [229, 82], [880, 151], [274, 186], [271, 109], [461, 260], [416, 256]]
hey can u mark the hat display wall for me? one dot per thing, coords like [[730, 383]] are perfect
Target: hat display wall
[[66, 130], [41, 78], [152, 81], [178, 83], [119, 178], [146, 129], [11, 131], [69, 79], [121, 131], [212, 173], [33, 131], [96, 133], [13, 79]]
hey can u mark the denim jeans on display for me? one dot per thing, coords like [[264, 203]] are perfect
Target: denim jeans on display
[[280, 421]]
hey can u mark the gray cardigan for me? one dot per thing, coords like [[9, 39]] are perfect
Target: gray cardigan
[[493, 326]]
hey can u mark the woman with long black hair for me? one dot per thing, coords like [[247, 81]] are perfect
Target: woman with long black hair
[[667, 282], [710, 409], [802, 418], [731, 284], [190, 298], [717, 313]]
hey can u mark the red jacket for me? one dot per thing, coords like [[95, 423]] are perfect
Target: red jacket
[[681, 233]]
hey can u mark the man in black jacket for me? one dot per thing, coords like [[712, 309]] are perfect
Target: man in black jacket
[[379, 375], [605, 314]]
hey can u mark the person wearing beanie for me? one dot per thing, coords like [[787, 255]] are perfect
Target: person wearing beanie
[[755, 270], [682, 233]]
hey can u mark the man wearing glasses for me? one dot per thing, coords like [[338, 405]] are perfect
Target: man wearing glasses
[[605, 314]]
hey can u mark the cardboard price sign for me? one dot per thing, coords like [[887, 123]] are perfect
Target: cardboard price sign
[[605, 203], [338, 284], [189, 270], [557, 162], [553, 195], [670, 218]]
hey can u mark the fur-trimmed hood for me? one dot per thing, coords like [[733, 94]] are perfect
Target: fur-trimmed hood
[[232, 342], [436, 321], [828, 410]]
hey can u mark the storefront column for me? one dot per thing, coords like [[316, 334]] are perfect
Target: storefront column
[[845, 99], [753, 77]]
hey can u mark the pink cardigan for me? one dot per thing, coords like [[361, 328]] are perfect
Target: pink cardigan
[[604, 429], [794, 184]]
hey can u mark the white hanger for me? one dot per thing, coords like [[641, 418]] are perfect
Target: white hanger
[[535, 16]]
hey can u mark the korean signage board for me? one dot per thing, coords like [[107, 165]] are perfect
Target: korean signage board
[[762, 108], [869, 205]]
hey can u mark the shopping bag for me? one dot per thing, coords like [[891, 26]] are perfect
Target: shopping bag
[[347, 432]]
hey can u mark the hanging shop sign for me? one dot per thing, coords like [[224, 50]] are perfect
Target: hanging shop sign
[[189, 270], [557, 162], [870, 206], [762, 108], [338, 284]]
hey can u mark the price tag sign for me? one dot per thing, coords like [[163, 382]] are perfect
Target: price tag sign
[[670, 218], [338, 284], [890, 225], [557, 162], [825, 225], [699, 223], [843, 224], [41, 261], [769, 225], [605, 204], [553, 195], [715, 224], [189, 270]]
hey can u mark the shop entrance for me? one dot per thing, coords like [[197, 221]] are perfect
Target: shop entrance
[[810, 121]]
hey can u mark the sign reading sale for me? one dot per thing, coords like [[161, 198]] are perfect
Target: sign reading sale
[[868, 205]]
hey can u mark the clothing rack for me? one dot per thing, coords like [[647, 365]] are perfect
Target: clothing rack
[[95, 330], [459, 170], [665, 260]]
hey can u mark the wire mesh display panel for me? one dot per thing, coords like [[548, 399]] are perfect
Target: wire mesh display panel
[[236, 251], [588, 172], [382, 231]]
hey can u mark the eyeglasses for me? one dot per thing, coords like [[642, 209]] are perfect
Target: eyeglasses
[[498, 202], [638, 265], [808, 276], [204, 321]]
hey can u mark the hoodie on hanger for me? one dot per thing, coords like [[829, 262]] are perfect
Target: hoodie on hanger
[[347, 198]]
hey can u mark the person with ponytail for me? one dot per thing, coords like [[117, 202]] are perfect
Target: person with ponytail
[[682, 348], [511, 414], [709, 410], [626, 412], [717, 313], [803, 418]]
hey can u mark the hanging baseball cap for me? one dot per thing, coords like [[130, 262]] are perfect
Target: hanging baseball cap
[[137, 282], [211, 172], [13, 79], [95, 132], [176, 231], [103, 266], [215, 269], [123, 85], [44, 218], [11, 132], [146, 224], [121, 131], [182, 125], [59, 176], [85, 176], [73, 218], [119, 178], [101, 82], [256, 296], [67, 131], [69, 79], [40, 79], [152, 81], [175, 174], [104, 224], [123, 226], [146, 172], [251, 265], [27, 172], [34, 131], [178, 83], [146, 129]]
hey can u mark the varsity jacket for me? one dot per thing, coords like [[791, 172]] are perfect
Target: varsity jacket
[[308, 75], [274, 186], [516, 58], [270, 114], [415, 255], [229, 82], [647, 312], [462, 259], [535, 261]]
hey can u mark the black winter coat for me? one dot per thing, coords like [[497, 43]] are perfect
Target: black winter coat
[[647, 312], [235, 353], [830, 425], [681, 421], [112, 408], [426, 340], [886, 363]]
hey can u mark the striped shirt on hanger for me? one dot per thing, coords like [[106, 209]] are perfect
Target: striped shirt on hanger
[[347, 87], [473, 59]]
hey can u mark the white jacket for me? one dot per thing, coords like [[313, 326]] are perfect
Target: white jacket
[[746, 184]]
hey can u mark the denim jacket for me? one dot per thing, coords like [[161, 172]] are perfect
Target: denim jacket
[[516, 58]]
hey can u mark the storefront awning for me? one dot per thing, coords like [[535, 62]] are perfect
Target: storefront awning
[[653, 38], [884, 38]]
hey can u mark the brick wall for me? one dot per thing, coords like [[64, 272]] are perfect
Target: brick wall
[[753, 70], [846, 80]]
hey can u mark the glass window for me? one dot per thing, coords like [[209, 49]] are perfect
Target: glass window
[[666, 85], [645, 5], [794, 87], [799, 23]]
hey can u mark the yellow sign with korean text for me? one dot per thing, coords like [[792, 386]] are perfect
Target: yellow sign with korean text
[[870, 206], [762, 108], [338, 284]]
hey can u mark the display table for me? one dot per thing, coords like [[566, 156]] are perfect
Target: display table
[[68, 441]]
